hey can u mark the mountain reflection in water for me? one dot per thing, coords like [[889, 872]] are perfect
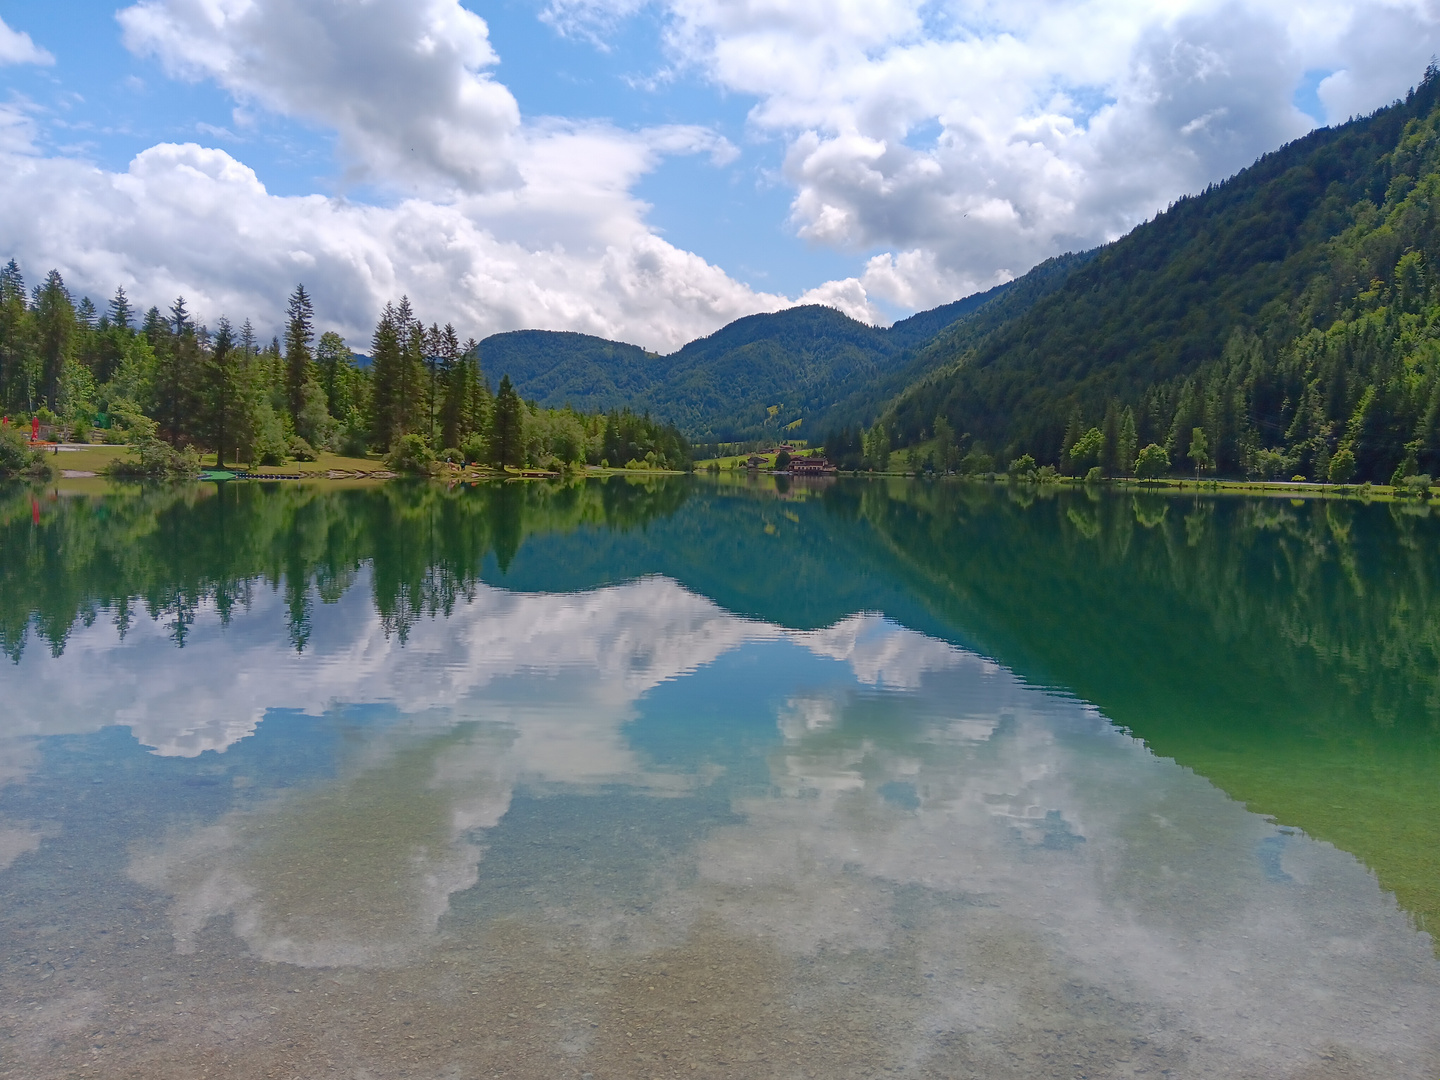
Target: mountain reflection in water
[[639, 780]]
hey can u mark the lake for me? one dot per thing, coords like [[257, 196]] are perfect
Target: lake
[[683, 777]]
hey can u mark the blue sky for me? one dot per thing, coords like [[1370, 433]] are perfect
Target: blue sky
[[108, 104], [643, 171]]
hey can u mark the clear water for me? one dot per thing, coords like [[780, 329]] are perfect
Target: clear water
[[689, 780]]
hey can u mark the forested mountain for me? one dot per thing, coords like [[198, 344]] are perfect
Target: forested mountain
[[1290, 314], [558, 368], [797, 371]]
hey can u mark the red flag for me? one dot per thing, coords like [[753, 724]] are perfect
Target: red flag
[[35, 429]]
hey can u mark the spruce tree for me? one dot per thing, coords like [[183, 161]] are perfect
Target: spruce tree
[[410, 386], [15, 336], [222, 390], [299, 333], [507, 429], [120, 312], [55, 330], [1128, 442], [385, 376]]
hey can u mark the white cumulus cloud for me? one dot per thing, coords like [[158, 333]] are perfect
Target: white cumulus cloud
[[17, 47], [404, 84], [973, 139]]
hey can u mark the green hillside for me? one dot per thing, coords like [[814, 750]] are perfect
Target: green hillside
[[588, 373], [754, 378], [1290, 313]]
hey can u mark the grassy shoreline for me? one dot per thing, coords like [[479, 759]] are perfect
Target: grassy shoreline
[[85, 467]]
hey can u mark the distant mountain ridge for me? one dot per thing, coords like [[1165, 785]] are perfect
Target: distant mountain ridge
[[798, 371]]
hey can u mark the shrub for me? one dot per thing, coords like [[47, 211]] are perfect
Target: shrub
[[1023, 468], [782, 460], [976, 462], [1094, 475], [452, 456], [411, 455], [301, 450], [18, 459], [472, 449], [154, 459]]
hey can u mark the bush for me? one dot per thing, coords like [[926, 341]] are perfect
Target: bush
[[472, 450], [301, 450], [154, 459], [411, 455], [1023, 468], [1418, 485], [1094, 475], [1297, 479], [975, 462], [18, 459], [782, 460]]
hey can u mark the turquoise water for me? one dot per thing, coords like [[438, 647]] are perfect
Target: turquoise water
[[679, 779]]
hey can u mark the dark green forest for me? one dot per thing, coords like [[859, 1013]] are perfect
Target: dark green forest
[[169, 380], [1289, 314], [794, 373]]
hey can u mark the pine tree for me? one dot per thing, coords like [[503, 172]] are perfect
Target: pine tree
[[55, 330], [507, 429], [455, 409], [120, 313], [299, 333], [16, 345], [1111, 458], [410, 386], [385, 376], [1128, 442], [222, 389]]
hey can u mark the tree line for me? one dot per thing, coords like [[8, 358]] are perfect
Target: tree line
[[170, 378]]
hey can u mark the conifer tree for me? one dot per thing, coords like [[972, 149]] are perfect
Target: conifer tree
[[1128, 441], [55, 327], [120, 313], [385, 376], [410, 386], [299, 333], [507, 428], [177, 356], [16, 353]]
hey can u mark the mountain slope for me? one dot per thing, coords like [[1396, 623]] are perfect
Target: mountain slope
[[558, 368], [1271, 311], [755, 377]]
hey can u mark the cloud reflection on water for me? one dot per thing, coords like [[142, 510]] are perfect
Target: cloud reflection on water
[[1011, 839]]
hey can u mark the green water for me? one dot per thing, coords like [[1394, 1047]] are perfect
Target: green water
[[938, 779]]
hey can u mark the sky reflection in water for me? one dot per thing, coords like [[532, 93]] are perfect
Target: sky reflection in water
[[844, 849]]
